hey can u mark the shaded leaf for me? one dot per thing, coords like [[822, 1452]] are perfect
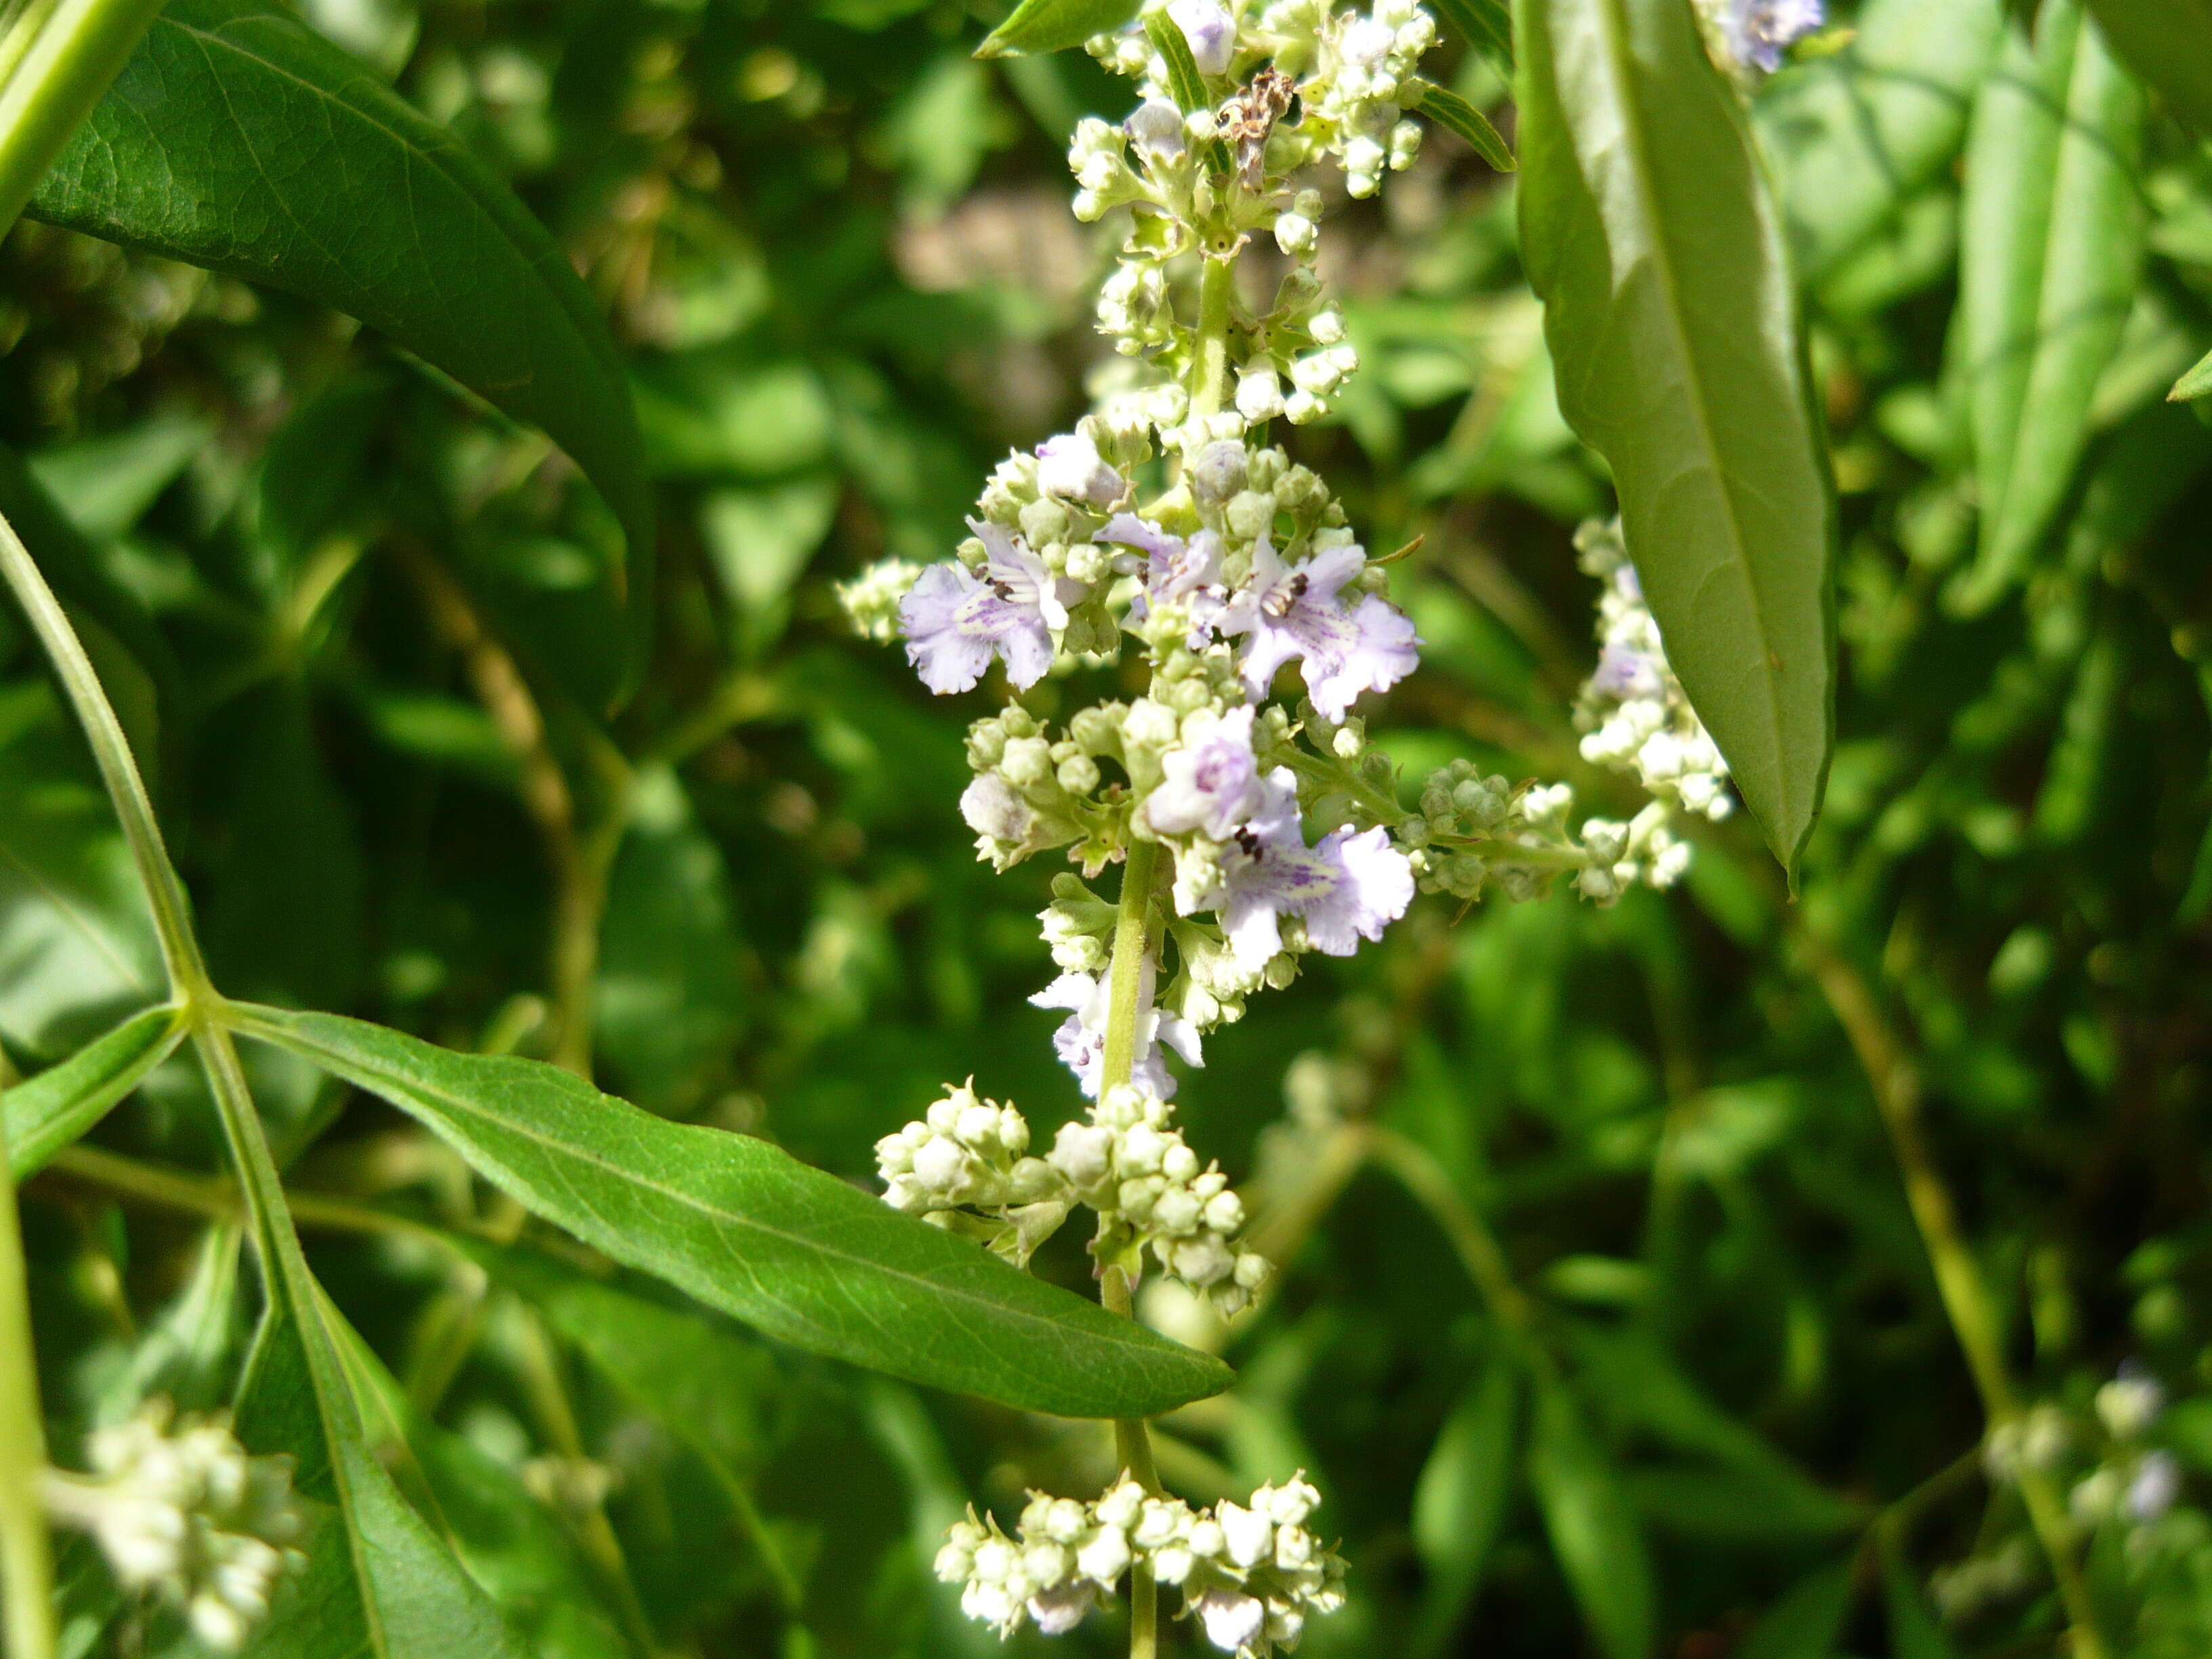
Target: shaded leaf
[[1460, 1497], [2168, 45], [198, 153], [1806, 1622], [747, 1229], [1592, 1526], [1450, 111], [1037, 26], [2051, 250], [73, 567], [1854, 136], [1914, 1632], [50, 1111], [1485, 25], [1646, 230]]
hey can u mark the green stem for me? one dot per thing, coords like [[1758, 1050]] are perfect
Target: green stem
[[58, 57], [1896, 1087], [27, 1574], [111, 750], [1131, 1439], [1216, 287]]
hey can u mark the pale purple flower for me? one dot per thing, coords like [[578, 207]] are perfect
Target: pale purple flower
[[1213, 782], [1231, 1618], [956, 621], [1624, 672], [1060, 1609], [2157, 1483], [1071, 467], [1211, 31], [1175, 571], [1081, 1040], [1155, 126], [1348, 887], [1295, 611], [1761, 31]]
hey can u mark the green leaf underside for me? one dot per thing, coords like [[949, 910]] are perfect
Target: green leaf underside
[[1454, 114], [1854, 136], [2195, 383], [1670, 309], [50, 1111], [2167, 44], [1483, 24], [2052, 247], [1041, 25], [239, 140], [747, 1229]]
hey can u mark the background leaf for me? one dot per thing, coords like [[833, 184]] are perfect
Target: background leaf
[[2051, 252], [195, 155], [2168, 45], [1592, 1528], [1647, 233], [748, 1229], [1460, 1501], [1806, 1622], [48, 1112]]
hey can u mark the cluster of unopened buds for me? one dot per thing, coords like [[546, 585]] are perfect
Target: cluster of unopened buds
[[1251, 1574], [180, 1509], [964, 1167]]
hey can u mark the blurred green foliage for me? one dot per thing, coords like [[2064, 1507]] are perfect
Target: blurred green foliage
[[346, 612]]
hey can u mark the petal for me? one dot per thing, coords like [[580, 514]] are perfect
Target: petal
[[1127, 530]]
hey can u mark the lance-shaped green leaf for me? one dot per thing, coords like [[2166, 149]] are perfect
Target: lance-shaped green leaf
[[1454, 114], [1460, 1497], [1592, 1528], [50, 1111], [1853, 137], [1646, 230], [238, 139], [746, 1228], [2168, 46], [1805, 1623], [2194, 384], [2053, 247], [1037, 26]]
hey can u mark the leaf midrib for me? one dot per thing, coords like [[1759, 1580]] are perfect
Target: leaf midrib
[[1613, 30], [256, 1022]]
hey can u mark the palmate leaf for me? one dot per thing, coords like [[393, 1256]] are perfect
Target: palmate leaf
[[746, 1228], [1646, 230], [48, 1112], [2051, 250], [238, 139]]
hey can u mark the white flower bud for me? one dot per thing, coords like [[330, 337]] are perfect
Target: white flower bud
[[1296, 234]]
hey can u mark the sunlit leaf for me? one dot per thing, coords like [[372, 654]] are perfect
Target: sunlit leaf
[[1646, 230], [746, 1228], [1454, 114], [2051, 249], [1053, 25], [2195, 383], [46, 1113], [196, 154]]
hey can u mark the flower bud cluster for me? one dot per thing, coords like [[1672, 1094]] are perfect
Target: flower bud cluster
[[1129, 1162], [962, 1167], [2135, 1484], [1356, 92], [1633, 711], [1033, 791], [871, 599], [1251, 1574], [179, 1508]]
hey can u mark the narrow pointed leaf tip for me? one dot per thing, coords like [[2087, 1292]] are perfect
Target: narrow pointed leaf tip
[[2194, 384], [746, 1228], [1042, 25], [1672, 317]]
